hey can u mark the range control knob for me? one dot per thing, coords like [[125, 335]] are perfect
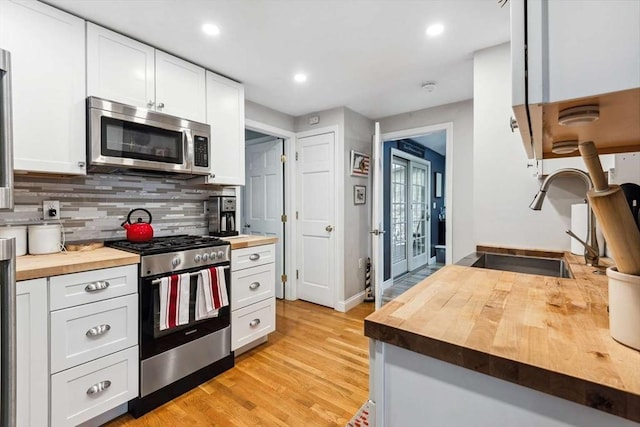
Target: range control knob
[[220, 254], [205, 257], [197, 258], [212, 255], [175, 262]]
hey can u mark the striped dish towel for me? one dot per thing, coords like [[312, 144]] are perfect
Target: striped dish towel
[[212, 292], [174, 300]]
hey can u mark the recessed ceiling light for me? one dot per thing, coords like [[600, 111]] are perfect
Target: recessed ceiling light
[[300, 77], [435, 30], [211, 29]]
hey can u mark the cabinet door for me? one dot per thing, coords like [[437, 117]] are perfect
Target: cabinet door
[[225, 115], [180, 88], [48, 77], [119, 68], [32, 351]]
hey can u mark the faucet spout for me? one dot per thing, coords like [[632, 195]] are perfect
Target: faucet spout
[[591, 249]]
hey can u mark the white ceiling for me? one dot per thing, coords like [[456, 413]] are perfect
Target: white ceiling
[[369, 55]]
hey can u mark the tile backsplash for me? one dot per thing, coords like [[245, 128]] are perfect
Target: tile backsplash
[[93, 207]]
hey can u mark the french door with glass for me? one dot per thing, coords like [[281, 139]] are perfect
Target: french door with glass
[[410, 219]]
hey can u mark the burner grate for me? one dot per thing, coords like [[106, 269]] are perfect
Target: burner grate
[[165, 244]]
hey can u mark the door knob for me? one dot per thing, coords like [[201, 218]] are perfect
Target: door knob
[[329, 228]]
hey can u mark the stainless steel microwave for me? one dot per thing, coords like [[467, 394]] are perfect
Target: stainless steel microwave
[[122, 137]]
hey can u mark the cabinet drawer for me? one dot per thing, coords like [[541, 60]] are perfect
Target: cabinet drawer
[[77, 394], [252, 285], [252, 322], [89, 331], [249, 257], [90, 286]]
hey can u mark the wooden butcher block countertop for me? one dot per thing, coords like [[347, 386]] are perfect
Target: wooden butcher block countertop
[[36, 266], [541, 332], [247, 241]]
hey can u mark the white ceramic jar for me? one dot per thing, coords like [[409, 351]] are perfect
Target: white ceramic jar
[[19, 232], [44, 239]]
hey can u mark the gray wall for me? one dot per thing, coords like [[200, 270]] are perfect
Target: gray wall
[[266, 115], [93, 207], [358, 133], [460, 208]]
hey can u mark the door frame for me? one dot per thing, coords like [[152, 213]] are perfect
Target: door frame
[[338, 246], [289, 243], [448, 185], [410, 159]]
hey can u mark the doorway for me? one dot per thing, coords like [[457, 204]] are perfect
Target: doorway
[[414, 251], [265, 206]]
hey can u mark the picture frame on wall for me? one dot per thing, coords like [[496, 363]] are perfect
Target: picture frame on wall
[[360, 164], [359, 194], [438, 184]]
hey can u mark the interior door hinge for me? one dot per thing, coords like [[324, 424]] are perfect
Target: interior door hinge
[[283, 278], [296, 214], [283, 218], [296, 155], [283, 159], [297, 274]]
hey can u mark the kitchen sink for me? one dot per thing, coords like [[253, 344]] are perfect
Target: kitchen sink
[[554, 267]]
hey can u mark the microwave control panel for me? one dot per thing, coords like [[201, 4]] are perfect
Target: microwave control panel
[[201, 151]]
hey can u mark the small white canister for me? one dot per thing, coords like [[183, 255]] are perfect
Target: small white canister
[[19, 232], [44, 239], [624, 307]]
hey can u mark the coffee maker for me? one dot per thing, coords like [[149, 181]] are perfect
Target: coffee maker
[[222, 216]]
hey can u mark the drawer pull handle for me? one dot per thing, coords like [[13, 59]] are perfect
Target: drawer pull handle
[[254, 323], [254, 286], [99, 387], [96, 286], [254, 257], [98, 330]]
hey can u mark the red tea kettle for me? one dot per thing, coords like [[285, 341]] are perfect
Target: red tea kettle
[[138, 231]]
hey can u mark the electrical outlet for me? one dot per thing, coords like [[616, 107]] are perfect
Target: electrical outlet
[[51, 209]]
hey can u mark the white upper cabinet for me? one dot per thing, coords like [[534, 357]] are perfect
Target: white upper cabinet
[[568, 57], [48, 84], [119, 68], [124, 70], [180, 88], [225, 115]]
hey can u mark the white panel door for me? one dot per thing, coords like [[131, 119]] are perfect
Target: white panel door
[[225, 115], [263, 197], [180, 88], [316, 212], [48, 80], [119, 68], [32, 353], [420, 219], [376, 229]]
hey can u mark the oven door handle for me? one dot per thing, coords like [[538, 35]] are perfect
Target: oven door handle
[[195, 273]]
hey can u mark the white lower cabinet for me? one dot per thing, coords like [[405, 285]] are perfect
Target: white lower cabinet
[[86, 391], [32, 350], [253, 306], [94, 343]]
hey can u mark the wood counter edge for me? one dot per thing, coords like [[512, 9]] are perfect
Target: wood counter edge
[[241, 244], [49, 271], [604, 398]]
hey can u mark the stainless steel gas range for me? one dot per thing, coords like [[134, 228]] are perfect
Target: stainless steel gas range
[[175, 360]]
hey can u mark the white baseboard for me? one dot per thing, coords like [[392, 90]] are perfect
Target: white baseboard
[[344, 306]]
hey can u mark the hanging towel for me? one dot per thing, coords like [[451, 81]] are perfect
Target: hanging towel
[[212, 292], [174, 300]]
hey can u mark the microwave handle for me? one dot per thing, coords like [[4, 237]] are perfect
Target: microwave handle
[[188, 147], [6, 133]]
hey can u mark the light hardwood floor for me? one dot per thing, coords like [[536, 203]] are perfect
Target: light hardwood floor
[[313, 371]]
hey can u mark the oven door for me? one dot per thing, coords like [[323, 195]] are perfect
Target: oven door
[[153, 340]]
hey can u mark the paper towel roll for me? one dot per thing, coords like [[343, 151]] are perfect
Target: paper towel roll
[[579, 217]]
